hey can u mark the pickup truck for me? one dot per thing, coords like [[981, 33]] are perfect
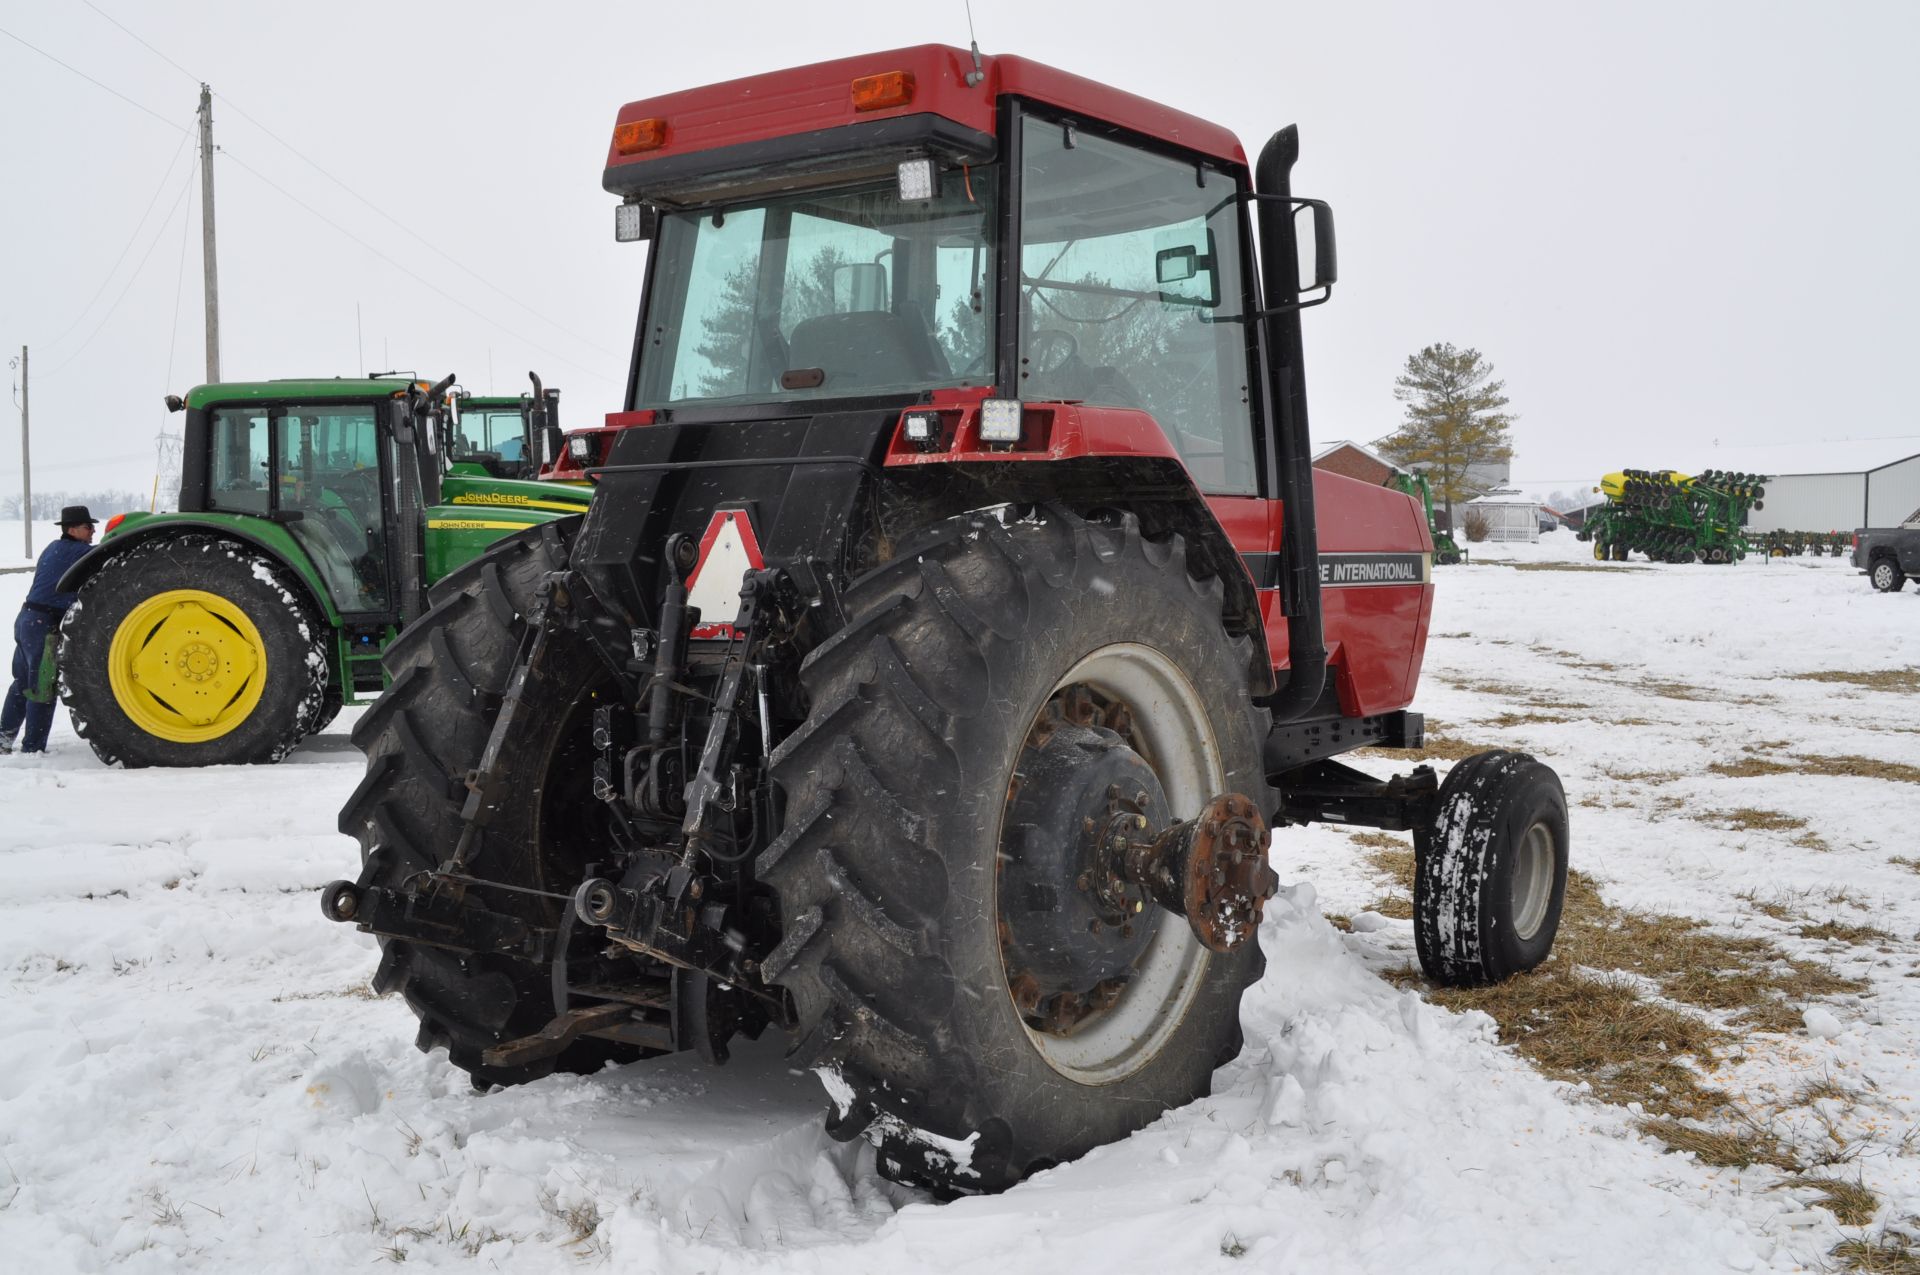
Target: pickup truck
[[1889, 554]]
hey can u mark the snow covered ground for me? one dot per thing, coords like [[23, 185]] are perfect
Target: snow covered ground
[[193, 1073]]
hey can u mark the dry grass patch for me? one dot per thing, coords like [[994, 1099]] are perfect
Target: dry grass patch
[[1643, 776], [1902, 862], [1900, 681], [1436, 747], [1866, 768], [1845, 767], [1588, 1015], [1504, 690], [1768, 907], [1850, 1202], [1563, 566], [1888, 1255], [1747, 819], [1834, 931], [1393, 858], [1507, 721], [1738, 1149], [1751, 767]]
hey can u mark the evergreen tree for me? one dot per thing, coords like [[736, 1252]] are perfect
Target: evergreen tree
[[1454, 419]]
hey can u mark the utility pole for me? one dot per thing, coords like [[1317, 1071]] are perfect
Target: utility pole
[[212, 283], [26, 460]]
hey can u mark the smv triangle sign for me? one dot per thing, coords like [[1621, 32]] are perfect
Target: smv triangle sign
[[728, 550]]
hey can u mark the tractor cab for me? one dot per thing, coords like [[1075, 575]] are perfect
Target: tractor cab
[[328, 462], [503, 437]]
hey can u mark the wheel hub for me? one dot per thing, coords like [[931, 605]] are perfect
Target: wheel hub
[[1071, 928]]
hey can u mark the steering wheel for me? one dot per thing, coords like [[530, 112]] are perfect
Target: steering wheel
[[1050, 349]]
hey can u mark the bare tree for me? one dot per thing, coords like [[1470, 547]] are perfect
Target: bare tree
[[1453, 422]]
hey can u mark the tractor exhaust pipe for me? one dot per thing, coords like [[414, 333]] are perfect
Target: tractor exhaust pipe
[[1287, 391]]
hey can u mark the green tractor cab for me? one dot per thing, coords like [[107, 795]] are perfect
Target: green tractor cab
[[314, 515]]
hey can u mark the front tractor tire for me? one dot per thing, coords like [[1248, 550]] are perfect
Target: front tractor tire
[[192, 650], [1490, 873], [974, 1004]]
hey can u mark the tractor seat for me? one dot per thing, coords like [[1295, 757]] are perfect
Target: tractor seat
[[867, 349]]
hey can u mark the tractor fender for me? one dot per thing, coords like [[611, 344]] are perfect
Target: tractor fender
[[270, 538], [1092, 459]]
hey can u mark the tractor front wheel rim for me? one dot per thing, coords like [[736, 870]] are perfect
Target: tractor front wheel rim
[[1533, 877]]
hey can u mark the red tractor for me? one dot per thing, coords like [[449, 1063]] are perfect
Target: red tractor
[[950, 622]]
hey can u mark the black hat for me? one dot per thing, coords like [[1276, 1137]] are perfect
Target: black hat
[[73, 516]]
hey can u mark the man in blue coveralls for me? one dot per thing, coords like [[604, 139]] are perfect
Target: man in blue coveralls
[[30, 698]]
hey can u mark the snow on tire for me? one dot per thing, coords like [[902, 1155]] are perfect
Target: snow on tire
[[1490, 874]]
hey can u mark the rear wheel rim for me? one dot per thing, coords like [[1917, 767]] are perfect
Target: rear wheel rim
[[187, 666], [1532, 885], [1172, 731]]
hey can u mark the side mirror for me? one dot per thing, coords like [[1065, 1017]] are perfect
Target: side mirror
[[1318, 262]]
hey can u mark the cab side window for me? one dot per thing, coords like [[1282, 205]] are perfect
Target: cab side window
[[237, 468]]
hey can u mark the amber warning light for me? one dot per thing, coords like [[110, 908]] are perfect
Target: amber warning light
[[877, 92], [636, 136]]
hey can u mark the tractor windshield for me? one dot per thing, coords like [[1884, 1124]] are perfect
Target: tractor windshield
[[824, 294]]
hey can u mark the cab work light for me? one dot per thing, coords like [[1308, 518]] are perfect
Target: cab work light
[[878, 92], [629, 223], [635, 136], [916, 179], [1000, 420], [580, 447]]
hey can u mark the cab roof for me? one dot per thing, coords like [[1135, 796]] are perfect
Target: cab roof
[[807, 99], [336, 387]]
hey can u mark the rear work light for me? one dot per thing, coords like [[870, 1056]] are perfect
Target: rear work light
[[629, 223], [922, 429], [635, 136], [878, 92], [1000, 420], [580, 447]]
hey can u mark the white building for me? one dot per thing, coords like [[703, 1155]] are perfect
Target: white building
[[1826, 486], [1878, 497], [1510, 516]]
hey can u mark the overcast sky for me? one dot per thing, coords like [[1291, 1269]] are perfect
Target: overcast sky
[[1678, 229]]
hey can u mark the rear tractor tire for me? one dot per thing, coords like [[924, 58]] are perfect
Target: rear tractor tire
[[972, 1005], [193, 651], [1490, 874], [448, 670], [1886, 575]]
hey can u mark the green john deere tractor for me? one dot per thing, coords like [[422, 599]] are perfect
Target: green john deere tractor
[[314, 516], [1446, 550]]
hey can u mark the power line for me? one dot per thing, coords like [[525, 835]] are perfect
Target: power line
[[96, 83], [228, 154], [179, 287], [144, 258], [426, 242], [143, 44], [138, 226]]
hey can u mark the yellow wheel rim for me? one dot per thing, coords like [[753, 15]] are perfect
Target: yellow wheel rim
[[187, 666]]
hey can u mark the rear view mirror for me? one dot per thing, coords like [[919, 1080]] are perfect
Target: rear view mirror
[[1317, 263], [859, 287], [1176, 265]]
